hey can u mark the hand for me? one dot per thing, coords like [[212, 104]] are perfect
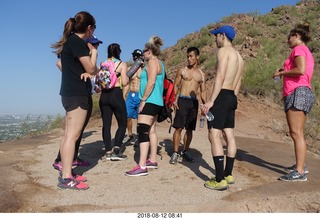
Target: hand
[[84, 76], [277, 73], [205, 107], [175, 106], [142, 103]]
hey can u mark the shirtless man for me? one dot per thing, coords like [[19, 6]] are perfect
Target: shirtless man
[[186, 84], [132, 101], [222, 104]]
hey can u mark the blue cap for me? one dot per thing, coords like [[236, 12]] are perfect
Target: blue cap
[[227, 30], [93, 40]]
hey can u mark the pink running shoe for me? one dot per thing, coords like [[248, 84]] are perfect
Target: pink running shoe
[[151, 165], [78, 178], [57, 165], [137, 171], [71, 183], [79, 162]]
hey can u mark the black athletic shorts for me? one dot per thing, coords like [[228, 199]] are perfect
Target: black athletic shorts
[[151, 109], [224, 109], [186, 115], [72, 103]]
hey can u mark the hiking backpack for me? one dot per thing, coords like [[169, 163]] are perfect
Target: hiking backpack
[[168, 100], [107, 77]]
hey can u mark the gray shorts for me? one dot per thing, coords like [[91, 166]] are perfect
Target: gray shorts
[[302, 98]]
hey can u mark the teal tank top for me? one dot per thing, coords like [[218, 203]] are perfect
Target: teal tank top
[[156, 96]]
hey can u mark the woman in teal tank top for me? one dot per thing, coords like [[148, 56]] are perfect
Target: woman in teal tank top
[[150, 94]]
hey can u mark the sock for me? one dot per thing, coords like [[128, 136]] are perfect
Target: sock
[[229, 166], [218, 163]]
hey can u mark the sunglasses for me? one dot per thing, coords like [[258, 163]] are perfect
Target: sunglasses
[[145, 50]]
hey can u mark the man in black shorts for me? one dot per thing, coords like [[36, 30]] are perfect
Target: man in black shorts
[[189, 79], [222, 104]]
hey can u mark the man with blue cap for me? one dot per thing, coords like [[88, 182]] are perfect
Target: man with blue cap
[[222, 104]]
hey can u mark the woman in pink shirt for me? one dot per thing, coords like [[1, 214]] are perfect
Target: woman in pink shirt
[[298, 96]]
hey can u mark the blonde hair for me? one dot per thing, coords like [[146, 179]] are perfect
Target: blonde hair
[[154, 45]]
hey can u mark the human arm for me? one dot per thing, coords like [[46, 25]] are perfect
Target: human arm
[[203, 90], [222, 60], [59, 65], [298, 70], [89, 62], [177, 84]]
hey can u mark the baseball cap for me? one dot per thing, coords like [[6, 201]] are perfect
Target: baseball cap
[[227, 30], [137, 52], [93, 40]]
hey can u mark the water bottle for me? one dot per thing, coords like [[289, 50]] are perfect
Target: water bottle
[[210, 116], [201, 121], [276, 79], [134, 68]]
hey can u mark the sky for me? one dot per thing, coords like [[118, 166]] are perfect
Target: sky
[[30, 80]]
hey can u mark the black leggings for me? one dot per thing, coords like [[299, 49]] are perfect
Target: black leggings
[[75, 156], [112, 101]]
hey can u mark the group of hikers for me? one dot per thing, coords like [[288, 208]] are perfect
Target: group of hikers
[[140, 96]]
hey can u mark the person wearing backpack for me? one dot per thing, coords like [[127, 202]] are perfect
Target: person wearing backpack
[[112, 102], [151, 103], [79, 65], [187, 82]]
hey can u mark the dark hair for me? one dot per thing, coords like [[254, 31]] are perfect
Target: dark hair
[[77, 24], [154, 45], [193, 48], [114, 50], [303, 30]]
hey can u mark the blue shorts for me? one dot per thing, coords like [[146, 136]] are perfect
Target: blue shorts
[[132, 104]]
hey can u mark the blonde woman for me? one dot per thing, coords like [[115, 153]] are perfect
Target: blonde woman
[[151, 102]]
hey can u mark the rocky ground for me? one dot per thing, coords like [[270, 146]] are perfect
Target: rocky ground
[[29, 182]]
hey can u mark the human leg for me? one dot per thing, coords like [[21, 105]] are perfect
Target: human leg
[[296, 120], [106, 114], [75, 120], [176, 143]]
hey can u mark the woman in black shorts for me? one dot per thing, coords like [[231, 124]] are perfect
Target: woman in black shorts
[[76, 57]]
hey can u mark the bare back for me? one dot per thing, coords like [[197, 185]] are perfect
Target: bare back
[[232, 65]]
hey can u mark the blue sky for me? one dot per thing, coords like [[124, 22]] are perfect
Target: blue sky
[[30, 80]]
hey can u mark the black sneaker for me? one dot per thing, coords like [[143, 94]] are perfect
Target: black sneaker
[[118, 156], [186, 156]]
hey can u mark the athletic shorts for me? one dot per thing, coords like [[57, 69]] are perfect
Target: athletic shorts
[[224, 109], [302, 98], [72, 103], [186, 115], [151, 109], [132, 104]]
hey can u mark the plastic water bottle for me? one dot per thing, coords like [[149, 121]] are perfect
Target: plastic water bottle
[[210, 116], [276, 79], [201, 121], [134, 68]]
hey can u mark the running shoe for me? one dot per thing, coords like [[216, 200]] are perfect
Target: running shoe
[[186, 156], [79, 162], [230, 179], [151, 165], [128, 139], [214, 185], [293, 167], [174, 158], [78, 178], [137, 171], [294, 176], [57, 165], [71, 183], [118, 156]]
